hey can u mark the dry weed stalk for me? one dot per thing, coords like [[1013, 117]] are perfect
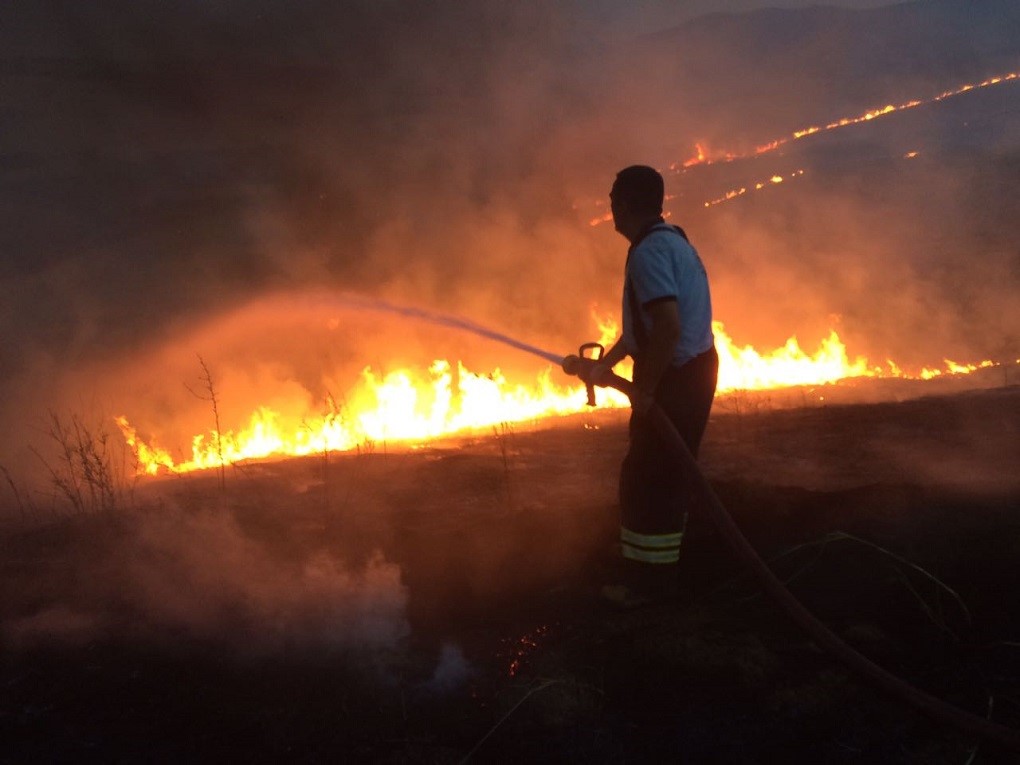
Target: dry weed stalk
[[745, 401], [335, 412], [504, 433], [210, 396], [22, 509], [84, 473]]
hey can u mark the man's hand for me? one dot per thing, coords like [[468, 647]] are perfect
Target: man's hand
[[590, 371], [640, 401], [595, 373]]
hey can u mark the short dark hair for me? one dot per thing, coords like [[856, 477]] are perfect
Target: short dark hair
[[641, 187]]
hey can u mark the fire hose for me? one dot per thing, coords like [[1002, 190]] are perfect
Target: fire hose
[[933, 707]]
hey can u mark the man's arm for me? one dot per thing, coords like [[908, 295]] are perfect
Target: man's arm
[[614, 355], [658, 353], [603, 366]]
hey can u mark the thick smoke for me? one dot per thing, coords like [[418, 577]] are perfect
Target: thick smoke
[[188, 159], [167, 169], [203, 577], [908, 259]]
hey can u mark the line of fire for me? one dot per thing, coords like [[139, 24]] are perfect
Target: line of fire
[[414, 405]]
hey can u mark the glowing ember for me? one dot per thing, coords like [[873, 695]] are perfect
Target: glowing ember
[[413, 407], [524, 647]]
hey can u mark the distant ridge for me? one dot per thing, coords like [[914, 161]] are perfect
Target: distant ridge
[[789, 65]]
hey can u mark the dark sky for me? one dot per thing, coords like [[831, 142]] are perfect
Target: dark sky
[[645, 14]]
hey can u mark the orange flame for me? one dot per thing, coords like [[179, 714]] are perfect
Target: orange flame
[[734, 193], [953, 368], [412, 407], [868, 116], [703, 156], [747, 369]]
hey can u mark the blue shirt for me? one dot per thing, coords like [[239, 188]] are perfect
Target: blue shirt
[[664, 265]]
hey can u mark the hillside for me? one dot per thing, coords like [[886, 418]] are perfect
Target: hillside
[[439, 604], [780, 68]]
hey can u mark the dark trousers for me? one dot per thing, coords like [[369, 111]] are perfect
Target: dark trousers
[[654, 495]]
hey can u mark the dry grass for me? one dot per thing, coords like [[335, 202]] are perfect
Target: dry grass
[[89, 471], [23, 508], [209, 395]]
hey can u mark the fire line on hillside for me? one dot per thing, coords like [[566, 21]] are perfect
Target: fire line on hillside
[[411, 407], [703, 156]]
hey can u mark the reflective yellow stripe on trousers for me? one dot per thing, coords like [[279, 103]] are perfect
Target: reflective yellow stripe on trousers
[[651, 548]]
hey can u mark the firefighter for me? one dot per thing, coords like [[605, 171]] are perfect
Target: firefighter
[[667, 330]]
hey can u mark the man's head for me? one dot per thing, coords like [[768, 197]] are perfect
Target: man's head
[[636, 199]]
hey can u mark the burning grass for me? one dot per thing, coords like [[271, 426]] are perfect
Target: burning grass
[[410, 406]]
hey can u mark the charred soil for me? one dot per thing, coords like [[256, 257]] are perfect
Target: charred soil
[[439, 605]]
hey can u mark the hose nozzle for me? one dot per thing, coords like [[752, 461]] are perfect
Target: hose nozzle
[[582, 364]]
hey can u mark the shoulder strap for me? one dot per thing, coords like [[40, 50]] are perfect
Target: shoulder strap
[[659, 225], [636, 323]]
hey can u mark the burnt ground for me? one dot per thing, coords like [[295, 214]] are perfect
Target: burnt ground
[[439, 605]]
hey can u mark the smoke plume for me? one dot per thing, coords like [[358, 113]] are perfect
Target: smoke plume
[[169, 168]]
